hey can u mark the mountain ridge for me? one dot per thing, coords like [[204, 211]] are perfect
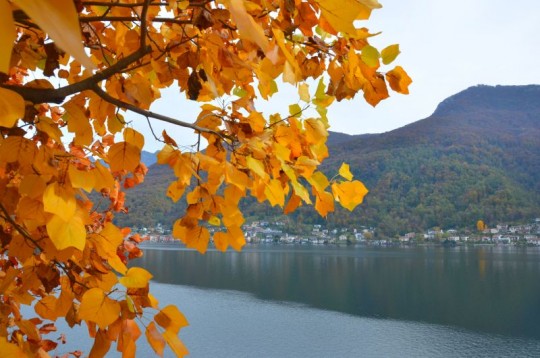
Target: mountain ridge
[[475, 157]]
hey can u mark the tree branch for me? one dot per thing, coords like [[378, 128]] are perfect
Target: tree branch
[[132, 18], [130, 107], [46, 95]]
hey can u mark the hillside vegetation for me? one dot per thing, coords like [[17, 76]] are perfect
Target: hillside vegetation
[[476, 157]]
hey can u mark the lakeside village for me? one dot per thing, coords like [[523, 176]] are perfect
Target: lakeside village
[[260, 232]]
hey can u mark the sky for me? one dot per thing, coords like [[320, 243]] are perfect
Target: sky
[[446, 46]]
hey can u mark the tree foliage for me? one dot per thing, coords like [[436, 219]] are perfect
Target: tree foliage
[[71, 69]]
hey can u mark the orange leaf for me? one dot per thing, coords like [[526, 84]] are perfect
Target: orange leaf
[[324, 203], [124, 156], [11, 103], [60, 20], [175, 343], [156, 340], [247, 27], [97, 307], [171, 319], [101, 346], [136, 277], [7, 37], [274, 193], [399, 80]]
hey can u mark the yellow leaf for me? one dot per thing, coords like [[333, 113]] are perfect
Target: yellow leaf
[[84, 179], [349, 194], [136, 277], [176, 344], [390, 53], [256, 167], [57, 200], [104, 178], [59, 19], [46, 307], [124, 156], [274, 193], [214, 220], [342, 14], [11, 103], [345, 171], [78, 123], [319, 181], [10, 350], [315, 131], [133, 137], [7, 37], [64, 234], [171, 319], [303, 92], [156, 340], [97, 307], [247, 27], [399, 80]]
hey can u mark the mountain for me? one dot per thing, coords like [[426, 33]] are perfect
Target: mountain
[[476, 157], [148, 158]]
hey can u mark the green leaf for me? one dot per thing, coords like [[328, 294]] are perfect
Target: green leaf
[[390, 53], [370, 55]]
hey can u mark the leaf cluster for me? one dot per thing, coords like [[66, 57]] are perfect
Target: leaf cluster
[[69, 72]]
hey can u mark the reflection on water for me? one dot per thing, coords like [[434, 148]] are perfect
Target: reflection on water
[[485, 289]]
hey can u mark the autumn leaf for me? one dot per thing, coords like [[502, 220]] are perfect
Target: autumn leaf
[[345, 171], [124, 156], [324, 203], [342, 14], [171, 319], [11, 103], [97, 307], [389, 54], [7, 37], [10, 350], [60, 140], [59, 201], [349, 194], [60, 20], [136, 277], [156, 340], [370, 55], [247, 27], [70, 233], [399, 80], [274, 192]]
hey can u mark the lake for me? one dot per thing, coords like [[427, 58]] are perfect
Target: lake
[[329, 301]]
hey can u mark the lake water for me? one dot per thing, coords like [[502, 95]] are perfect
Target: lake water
[[327, 301]]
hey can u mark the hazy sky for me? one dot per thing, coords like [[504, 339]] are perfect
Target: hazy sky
[[446, 46]]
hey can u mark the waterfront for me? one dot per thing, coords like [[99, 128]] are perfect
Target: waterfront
[[303, 300], [330, 301]]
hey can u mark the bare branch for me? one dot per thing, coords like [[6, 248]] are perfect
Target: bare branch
[[46, 95], [130, 107]]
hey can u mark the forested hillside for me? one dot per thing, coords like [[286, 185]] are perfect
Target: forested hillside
[[476, 157]]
